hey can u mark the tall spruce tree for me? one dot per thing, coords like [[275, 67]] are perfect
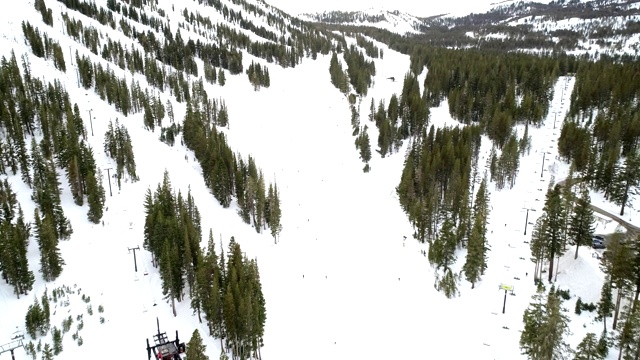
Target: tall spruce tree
[[537, 246], [545, 328], [628, 339], [477, 247], [625, 182], [96, 197], [14, 239], [588, 349], [51, 262], [196, 350], [605, 304], [554, 214], [581, 222], [618, 264]]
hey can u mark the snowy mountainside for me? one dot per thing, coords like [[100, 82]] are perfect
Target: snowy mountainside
[[393, 21], [341, 279], [591, 27], [577, 27]]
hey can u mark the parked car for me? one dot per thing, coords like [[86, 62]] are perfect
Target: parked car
[[597, 244]]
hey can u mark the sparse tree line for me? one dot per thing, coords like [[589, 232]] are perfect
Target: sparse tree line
[[504, 168], [258, 76], [87, 36], [363, 143], [179, 54], [226, 290], [43, 46], [258, 205], [14, 240], [369, 47], [227, 174], [29, 108], [360, 71], [38, 322], [117, 145], [47, 14], [396, 122], [339, 77], [403, 117]]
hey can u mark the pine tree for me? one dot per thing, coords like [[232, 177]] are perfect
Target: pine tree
[[274, 212], [533, 318], [581, 222], [14, 239], [46, 313], [554, 212], [57, 341], [537, 245], [556, 328], [476, 260], [167, 265], [34, 318], [95, 197], [442, 250], [628, 339], [222, 80], [625, 182], [588, 349], [30, 349], [51, 261], [605, 305], [618, 264], [195, 348], [636, 274], [47, 352], [545, 327]]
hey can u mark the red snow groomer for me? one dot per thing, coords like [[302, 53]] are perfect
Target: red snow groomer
[[164, 349]]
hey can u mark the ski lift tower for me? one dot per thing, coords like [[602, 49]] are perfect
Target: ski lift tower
[[164, 349], [16, 342]]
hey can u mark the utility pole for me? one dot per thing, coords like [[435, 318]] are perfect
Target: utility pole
[[135, 263], [91, 121], [109, 181], [526, 221]]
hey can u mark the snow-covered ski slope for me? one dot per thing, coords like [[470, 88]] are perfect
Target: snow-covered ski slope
[[343, 282]]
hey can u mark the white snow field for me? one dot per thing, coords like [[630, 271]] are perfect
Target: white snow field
[[343, 282]]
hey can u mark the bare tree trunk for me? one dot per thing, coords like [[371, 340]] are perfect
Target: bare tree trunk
[[557, 267], [551, 263], [173, 306], [577, 247], [636, 356], [635, 299], [617, 310]]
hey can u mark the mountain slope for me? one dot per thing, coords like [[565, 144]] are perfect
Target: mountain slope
[[345, 279]]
